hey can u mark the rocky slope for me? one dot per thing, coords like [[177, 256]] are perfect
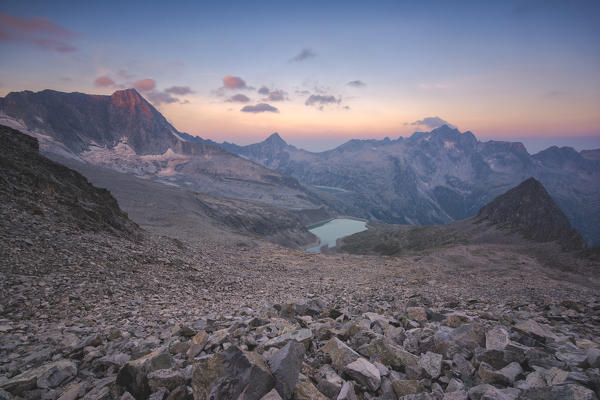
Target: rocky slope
[[126, 133], [437, 177], [525, 217], [95, 308], [34, 185], [529, 210]]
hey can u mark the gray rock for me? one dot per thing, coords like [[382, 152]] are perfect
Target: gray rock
[[364, 373], [285, 367], [390, 354], [167, 378], [506, 376], [405, 387], [330, 383], [455, 395], [307, 391], [497, 338], [49, 374], [347, 392], [565, 392], [272, 395], [230, 374], [133, 375], [431, 364], [303, 336], [535, 330], [592, 358], [340, 354]]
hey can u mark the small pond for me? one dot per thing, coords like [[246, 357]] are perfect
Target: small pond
[[329, 232]]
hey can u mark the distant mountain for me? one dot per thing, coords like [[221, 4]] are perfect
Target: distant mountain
[[522, 217], [529, 210], [437, 177], [126, 133]]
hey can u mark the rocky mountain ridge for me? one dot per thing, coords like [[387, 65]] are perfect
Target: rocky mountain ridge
[[437, 177], [525, 218], [126, 133]]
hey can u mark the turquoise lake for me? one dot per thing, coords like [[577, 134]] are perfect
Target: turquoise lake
[[330, 232]]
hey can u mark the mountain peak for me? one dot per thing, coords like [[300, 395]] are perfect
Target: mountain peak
[[529, 209], [132, 100], [275, 139]]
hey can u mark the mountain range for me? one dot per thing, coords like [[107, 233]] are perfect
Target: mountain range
[[428, 178], [126, 133], [437, 177], [524, 218]]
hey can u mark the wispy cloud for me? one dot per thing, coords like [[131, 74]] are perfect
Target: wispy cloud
[[273, 95], [554, 93], [305, 54], [260, 108], [40, 32], [179, 90], [356, 84], [430, 123], [158, 98], [238, 98], [145, 85], [104, 81], [319, 100]]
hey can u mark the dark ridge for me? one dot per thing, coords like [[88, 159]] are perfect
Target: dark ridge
[[529, 210], [32, 184]]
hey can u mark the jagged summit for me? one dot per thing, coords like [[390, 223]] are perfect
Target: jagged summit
[[132, 100], [276, 139], [529, 209]]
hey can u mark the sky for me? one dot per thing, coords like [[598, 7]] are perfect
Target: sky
[[323, 72]]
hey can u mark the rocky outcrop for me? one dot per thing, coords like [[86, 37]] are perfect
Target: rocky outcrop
[[529, 210], [34, 185]]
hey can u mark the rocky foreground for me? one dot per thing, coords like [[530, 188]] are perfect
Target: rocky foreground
[[408, 350]]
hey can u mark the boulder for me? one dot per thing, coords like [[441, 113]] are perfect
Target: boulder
[[565, 392], [497, 338], [403, 387], [505, 376], [48, 375], [418, 314], [307, 391], [330, 383], [272, 395], [364, 373], [285, 367], [431, 364], [340, 354], [231, 374], [166, 378], [390, 354], [133, 375], [303, 336], [535, 330], [347, 392]]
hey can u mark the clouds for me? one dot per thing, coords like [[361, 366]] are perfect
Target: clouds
[[305, 54], [104, 81], [320, 100], [233, 82], [273, 95], [260, 108], [238, 98], [158, 98], [179, 90], [356, 84], [431, 123], [39, 32], [145, 85]]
